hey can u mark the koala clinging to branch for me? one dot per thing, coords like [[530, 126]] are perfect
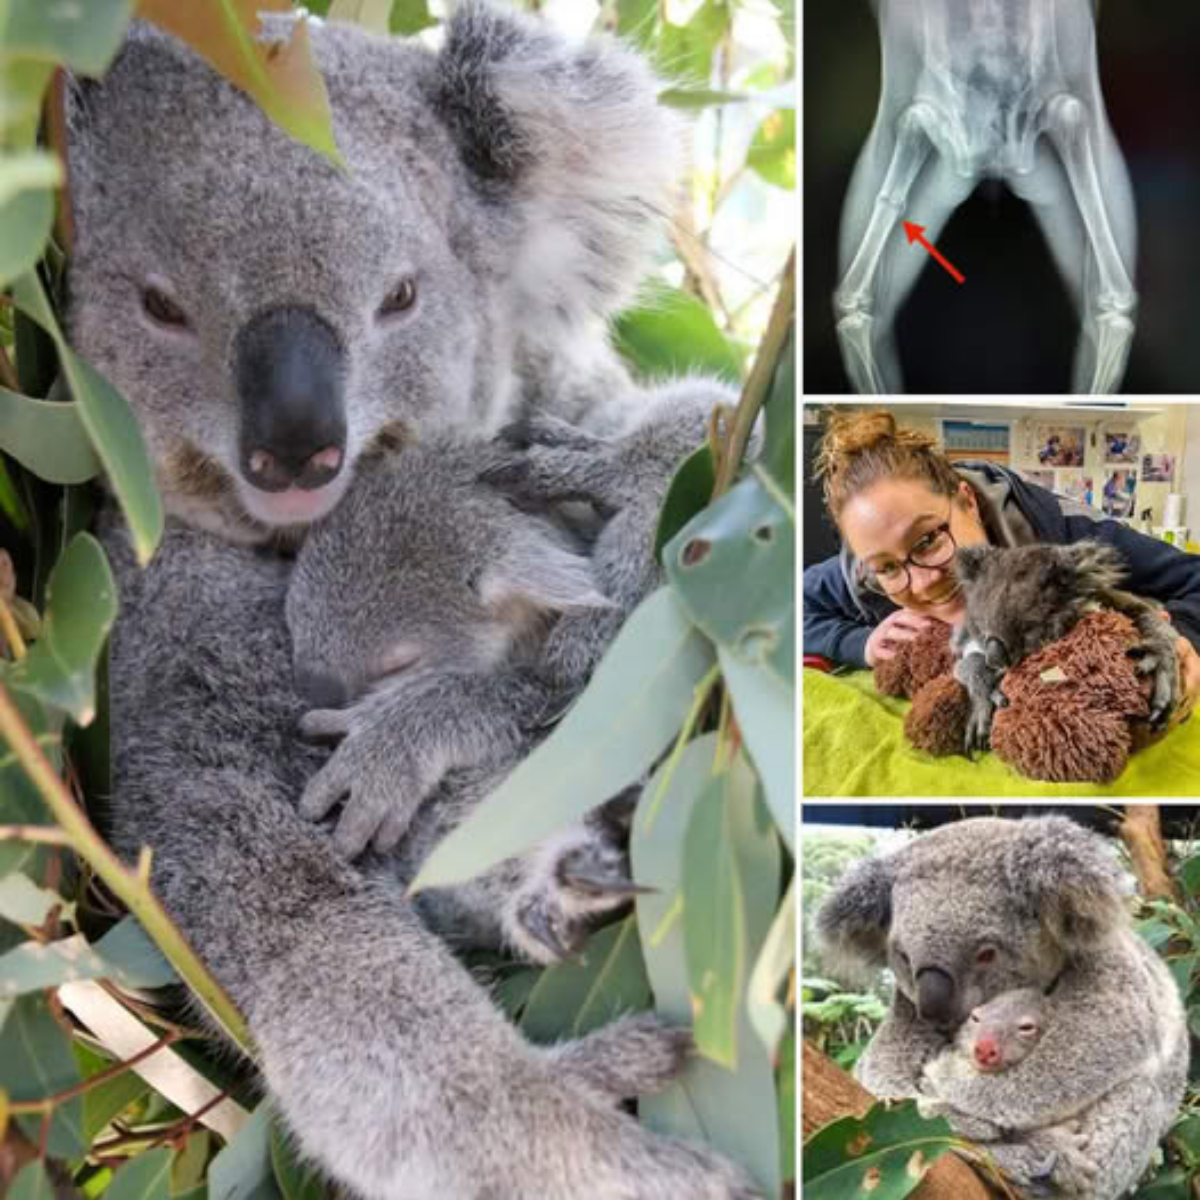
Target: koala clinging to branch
[[1019, 599], [270, 319], [983, 906]]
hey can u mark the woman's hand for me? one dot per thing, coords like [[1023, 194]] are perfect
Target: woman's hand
[[1189, 681], [901, 626]]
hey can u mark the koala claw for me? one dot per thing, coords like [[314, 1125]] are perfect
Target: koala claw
[[592, 884], [548, 927], [325, 724]]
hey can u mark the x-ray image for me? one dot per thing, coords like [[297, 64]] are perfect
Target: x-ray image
[[1001, 196]]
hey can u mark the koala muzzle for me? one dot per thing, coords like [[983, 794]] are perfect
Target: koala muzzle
[[321, 689], [935, 996], [290, 372]]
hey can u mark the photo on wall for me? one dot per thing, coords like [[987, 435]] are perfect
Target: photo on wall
[[1158, 468], [1122, 445], [1119, 489], [1074, 486], [1060, 446]]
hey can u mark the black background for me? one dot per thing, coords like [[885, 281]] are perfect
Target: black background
[[1011, 328]]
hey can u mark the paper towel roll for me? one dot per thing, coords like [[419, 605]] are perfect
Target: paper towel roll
[[1173, 514]]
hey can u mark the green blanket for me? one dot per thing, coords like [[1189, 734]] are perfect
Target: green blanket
[[854, 745]]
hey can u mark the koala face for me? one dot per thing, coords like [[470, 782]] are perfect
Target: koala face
[[270, 317], [1020, 599], [1004, 1031], [424, 567]]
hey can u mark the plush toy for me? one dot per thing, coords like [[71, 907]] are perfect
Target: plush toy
[[1075, 707]]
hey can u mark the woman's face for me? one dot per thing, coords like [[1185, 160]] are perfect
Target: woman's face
[[884, 522]]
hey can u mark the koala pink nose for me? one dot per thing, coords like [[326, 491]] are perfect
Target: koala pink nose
[[987, 1052]]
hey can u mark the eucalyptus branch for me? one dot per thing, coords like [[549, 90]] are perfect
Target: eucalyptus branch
[[56, 132], [11, 632], [754, 394], [133, 891], [8, 373]]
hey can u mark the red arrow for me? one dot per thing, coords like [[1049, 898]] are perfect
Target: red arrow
[[916, 233]]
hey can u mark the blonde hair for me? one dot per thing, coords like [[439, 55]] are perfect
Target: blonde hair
[[861, 448]]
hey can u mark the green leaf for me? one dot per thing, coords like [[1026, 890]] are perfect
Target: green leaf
[[766, 711], [191, 1163], [632, 708], [26, 219], [686, 51], [36, 1062], [110, 424], [772, 153], [573, 998], [33, 966], [243, 1171], [24, 903], [410, 17], [786, 1076], [733, 568], [20, 802], [10, 502], [893, 1148], [512, 993], [671, 333], [637, 20], [31, 1183], [690, 491], [46, 436], [1190, 874], [84, 37], [282, 79], [733, 1110], [295, 1181], [127, 946], [700, 97], [146, 1177], [60, 669], [370, 14], [776, 961], [108, 1099], [779, 449]]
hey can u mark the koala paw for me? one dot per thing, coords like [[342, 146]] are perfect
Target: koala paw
[[1158, 658], [638, 1055], [574, 880], [373, 772], [1074, 1170], [979, 726]]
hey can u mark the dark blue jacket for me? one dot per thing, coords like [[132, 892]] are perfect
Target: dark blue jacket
[[839, 616]]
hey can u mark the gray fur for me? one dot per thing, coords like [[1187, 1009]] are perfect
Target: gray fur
[[1020, 599], [387, 1061], [519, 179], [981, 907]]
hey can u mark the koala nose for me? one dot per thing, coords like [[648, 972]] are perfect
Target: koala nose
[[290, 372], [935, 995], [320, 688], [987, 1052], [996, 654]]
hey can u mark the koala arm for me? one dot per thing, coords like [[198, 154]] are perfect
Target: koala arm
[[982, 682], [1156, 654], [893, 1064], [402, 739]]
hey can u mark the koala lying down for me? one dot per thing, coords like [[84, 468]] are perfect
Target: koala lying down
[[350, 997], [1022, 598]]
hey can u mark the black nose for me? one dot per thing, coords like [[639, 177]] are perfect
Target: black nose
[[320, 688], [290, 372], [996, 654], [935, 995]]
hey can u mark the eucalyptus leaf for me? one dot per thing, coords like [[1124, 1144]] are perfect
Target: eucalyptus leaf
[[370, 14], [281, 78], [115, 434], [31, 1183], [243, 1170], [671, 333], [82, 36], [772, 153], [628, 714], [26, 218], [60, 669], [690, 491], [700, 97], [36, 1062], [147, 1176], [24, 903], [733, 568], [295, 1181], [733, 1110], [33, 966], [765, 706], [776, 960], [20, 801], [573, 998], [779, 449], [410, 17], [46, 436], [127, 946], [104, 1101]]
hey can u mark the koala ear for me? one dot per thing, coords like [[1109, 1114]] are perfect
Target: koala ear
[[969, 561], [1064, 876], [539, 574], [570, 136], [854, 919]]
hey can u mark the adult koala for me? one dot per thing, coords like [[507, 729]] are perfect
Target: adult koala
[[982, 906], [271, 320]]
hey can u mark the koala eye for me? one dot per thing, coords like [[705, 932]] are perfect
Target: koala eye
[[1029, 1028], [163, 310], [400, 299], [985, 956], [975, 1018]]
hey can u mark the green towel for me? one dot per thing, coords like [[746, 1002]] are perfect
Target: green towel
[[854, 745]]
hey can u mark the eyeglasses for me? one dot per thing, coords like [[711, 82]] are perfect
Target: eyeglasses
[[935, 549]]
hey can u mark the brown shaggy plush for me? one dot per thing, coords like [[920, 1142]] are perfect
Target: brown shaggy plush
[[1071, 705], [937, 721], [916, 663]]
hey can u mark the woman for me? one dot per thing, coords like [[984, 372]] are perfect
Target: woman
[[903, 510]]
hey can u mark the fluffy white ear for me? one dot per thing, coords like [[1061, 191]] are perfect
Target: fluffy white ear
[[541, 575], [572, 134]]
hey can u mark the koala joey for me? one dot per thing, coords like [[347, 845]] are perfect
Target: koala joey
[[995, 1037], [976, 909], [383, 1056], [1019, 599]]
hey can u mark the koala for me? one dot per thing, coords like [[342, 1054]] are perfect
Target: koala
[[996, 1037], [383, 1055], [984, 906], [274, 320], [1020, 599]]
